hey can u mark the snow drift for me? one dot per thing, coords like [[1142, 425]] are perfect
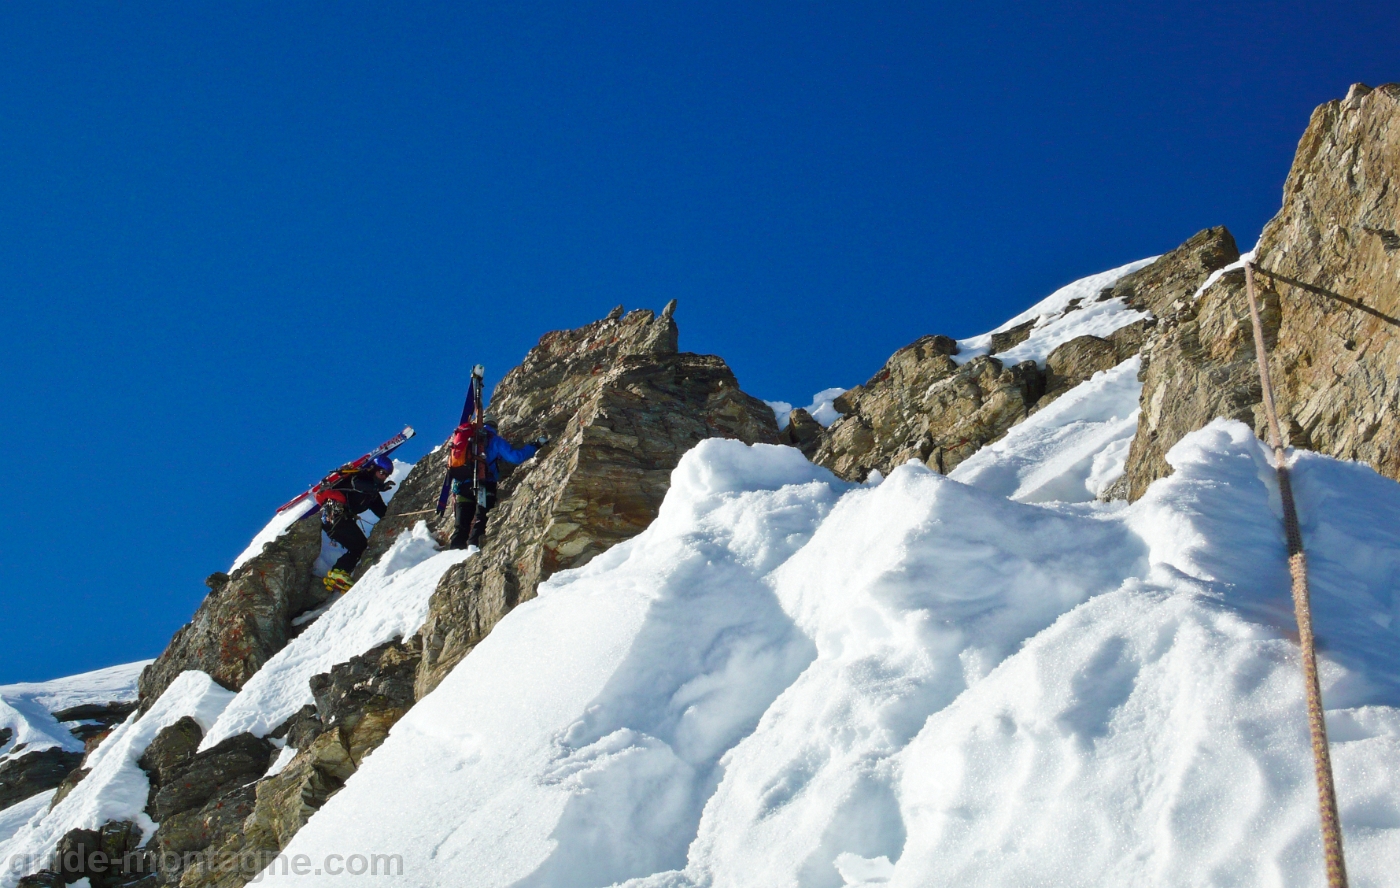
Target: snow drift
[[986, 679], [789, 680]]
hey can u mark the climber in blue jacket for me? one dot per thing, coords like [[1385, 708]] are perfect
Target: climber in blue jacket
[[472, 454]]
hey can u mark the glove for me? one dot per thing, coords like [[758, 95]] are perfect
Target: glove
[[541, 441], [387, 485]]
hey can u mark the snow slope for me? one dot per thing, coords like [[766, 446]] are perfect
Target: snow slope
[[13, 818], [787, 680], [26, 708], [1071, 450], [390, 601], [116, 788], [1057, 322]]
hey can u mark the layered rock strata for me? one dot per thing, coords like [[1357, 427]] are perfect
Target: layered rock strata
[[356, 704], [621, 405], [31, 773], [1331, 308]]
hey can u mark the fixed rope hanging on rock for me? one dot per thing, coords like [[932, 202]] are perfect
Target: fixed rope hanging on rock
[[1298, 569]]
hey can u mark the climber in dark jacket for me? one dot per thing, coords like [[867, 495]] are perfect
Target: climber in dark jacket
[[363, 492], [475, 496]]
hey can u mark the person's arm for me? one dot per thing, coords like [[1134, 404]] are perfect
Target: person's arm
[[500, 448]]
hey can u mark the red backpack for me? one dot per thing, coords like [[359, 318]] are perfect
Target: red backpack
[[468, 444], [325, 491]]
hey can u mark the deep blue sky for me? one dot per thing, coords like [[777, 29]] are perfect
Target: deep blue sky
[[240, 243]]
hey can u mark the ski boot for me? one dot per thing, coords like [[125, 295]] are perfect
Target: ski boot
[[337, 581]]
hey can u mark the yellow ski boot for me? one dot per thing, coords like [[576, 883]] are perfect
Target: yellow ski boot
[[337, 581]]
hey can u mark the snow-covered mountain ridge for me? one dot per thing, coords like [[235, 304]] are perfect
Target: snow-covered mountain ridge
[[931, 642]]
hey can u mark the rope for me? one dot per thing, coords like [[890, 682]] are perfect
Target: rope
[[1298, 570]]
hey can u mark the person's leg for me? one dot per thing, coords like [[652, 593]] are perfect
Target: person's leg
[[463, 510], [479, 515], [347, 533]]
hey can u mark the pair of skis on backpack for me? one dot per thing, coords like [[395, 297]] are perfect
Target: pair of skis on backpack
[[472, 420]]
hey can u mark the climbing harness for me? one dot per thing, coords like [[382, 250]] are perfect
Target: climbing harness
[[1298, 570]]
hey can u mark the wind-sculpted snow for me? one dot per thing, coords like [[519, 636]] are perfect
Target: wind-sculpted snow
[[116, 787], [1058, 321], [1070, 451], [787, 680], [390, 601], [26, 708], [578, 742]]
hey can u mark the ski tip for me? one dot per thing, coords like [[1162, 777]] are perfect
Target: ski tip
[[408, 432]]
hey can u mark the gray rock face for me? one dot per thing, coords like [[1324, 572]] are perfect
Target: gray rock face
[[1333, 342], [239, 760], [34, 772], [356, 705], [621, 406], [106, 857], [243, 622], [196, 829], [197, 798], [169, 753], [379, 679], [803, 432], [924, 405]]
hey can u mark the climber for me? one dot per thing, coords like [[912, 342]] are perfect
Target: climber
[[472, 453], [354, 493]]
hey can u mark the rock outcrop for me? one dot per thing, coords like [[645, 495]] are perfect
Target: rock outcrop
[[31, 773], [93, 720], [246, 618], [621, 406], [356, 704], [1330, 308], [197, 798], [803, 432], [924, 405], [106, 857]]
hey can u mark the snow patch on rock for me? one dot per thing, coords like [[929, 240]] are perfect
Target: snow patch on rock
[[1057, 321], [390, 601], [115, 787]]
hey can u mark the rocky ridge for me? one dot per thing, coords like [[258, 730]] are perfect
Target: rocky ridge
[[622, 404], [1330, 292], [925, 405]]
